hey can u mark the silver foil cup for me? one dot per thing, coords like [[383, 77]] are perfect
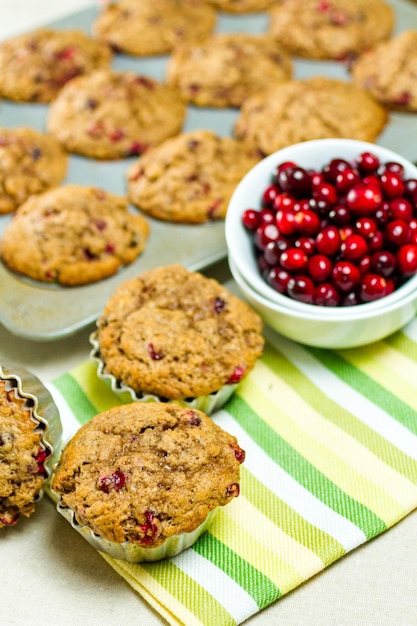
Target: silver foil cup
[[208, 403], [43, 411], [132, 552]]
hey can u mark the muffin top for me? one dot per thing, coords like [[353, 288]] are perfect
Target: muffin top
[[113, 115], [30, 163], [73, 235], [21, 457], [152, 27], [36, 65], [189, 178], [338, 29], [301, 110], [143, 472], [226, 68], [388, 71], [177, 334]]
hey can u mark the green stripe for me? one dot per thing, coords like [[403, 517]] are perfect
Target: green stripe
[[291, 522], [76, 399], [401, 342], [304, 472], [336, 414], [189, 593], [257, 585], [369, 388]]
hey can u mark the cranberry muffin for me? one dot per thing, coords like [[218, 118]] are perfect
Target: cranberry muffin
[[36, 65], [30, 163], [142, 481], [335, 29], [113, 115], [190, 178], [30, 436], [73, 235], [175, 335], [152, 27], [388, 72], [226, 68], [301, 110]]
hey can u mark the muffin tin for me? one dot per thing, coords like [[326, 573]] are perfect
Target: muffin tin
[[45, 312]]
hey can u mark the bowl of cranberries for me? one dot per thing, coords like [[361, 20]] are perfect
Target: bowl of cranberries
[[322, 240]]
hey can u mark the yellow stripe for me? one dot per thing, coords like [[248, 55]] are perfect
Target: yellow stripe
[[172, 610], [387, 367], [347, 463], [277, 555], [96, 390]]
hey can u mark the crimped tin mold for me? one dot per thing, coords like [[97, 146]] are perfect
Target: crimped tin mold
[[43, 412], [208, 404], [131, 552]]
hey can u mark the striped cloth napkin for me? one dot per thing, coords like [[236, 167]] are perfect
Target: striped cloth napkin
[[331, 462]]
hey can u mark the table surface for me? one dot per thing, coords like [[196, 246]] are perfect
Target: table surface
[[49, 574]]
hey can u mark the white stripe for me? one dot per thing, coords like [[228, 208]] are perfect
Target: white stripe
[[350, 399], [70, 424], [289, 490], [223, 588]]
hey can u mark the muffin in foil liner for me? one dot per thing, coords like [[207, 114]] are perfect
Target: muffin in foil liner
[[208, 403], [132, 552], [32, 398]]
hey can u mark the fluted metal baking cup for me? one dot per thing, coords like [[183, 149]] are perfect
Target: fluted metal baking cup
[[42, 407], [131, 552], [208, 404]]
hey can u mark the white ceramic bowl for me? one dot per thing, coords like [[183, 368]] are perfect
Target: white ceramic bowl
[[329, 327]]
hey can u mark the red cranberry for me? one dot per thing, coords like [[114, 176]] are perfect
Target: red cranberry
[[238, 452], [264, 234], [301, 288], [334, 168], [296, 180], [353, 247], [364, 264], [366, 226], [340, 215], [326, 193], [363, 199], [397, 232], [319, 267], [392, 166], [407, 260], [293, 260], [307, 223], [269, 196], [267, 216], [278, 279], [236, 376], [283, 201], [251, 219], [383, 262], [306, 244], [285, 221], [115, 481], [392, 184], [373, 287], [401, 208], [367, 162], [347, 179], [328, 241], [326, 295], [345, 275]]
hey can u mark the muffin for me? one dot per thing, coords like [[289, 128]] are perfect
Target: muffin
[[152, 27], [388, 72], [114, 115], [36, 65], [301, 110], [73, 235], [189, 178], [30, 163], [338, 30], [241, 6], [226, 68], [175, 335], [30, 438], [142, 481]]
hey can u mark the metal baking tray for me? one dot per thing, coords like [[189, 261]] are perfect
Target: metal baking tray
[[45, 312]]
